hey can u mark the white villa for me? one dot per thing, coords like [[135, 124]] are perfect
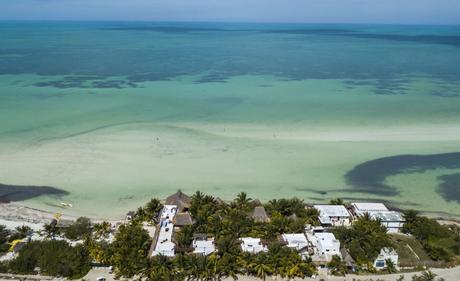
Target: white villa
[[203, 247], [333, 215], [392, 220], [164, 245], [297, 241], [385, 254], [324, 245], [252, 245], [361, 208]]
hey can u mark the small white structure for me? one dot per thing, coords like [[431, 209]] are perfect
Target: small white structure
[[168, 212], [296, 241], [386, 254], [392, 220], [324, 246], [333, 215], [361, 208], [203, 247], [252, 245], [164, 245]]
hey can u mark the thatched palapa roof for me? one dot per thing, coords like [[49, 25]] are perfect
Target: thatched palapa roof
[[180, 199], [259, 214], [182, 219]]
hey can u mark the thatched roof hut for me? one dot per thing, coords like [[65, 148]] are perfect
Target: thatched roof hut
[[182, 219], [180, 199], [346, 257], [259, 214]]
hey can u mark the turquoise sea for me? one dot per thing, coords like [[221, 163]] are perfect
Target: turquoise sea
[[105, 115]]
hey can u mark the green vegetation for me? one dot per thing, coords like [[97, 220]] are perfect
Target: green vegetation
[[128, 251], [364, 239], [149, 211], [278, 260], [4, 238], [7, 237], [438, 241], [410, 250], [54, 258], [226, 223], [80, 229], [337, 266], [426, 276]]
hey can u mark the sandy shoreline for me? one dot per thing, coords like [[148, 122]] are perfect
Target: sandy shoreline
[[16, 214]]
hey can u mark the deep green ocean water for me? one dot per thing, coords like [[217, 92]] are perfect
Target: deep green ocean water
[[107, 115]]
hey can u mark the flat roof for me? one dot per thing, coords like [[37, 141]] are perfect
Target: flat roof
[[295, 238], [332, 210], [326, 238], [164, 244], [250, 240], [203, 244], [387, 216], [366, 207], [253, 245]]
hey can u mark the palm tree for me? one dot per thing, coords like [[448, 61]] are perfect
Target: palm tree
[[198, 196], [262, 270], [152, 209], [337, 266], [227, 266], [184, 237], [161, 268], [51, 230], [102, 230], [391, 268], [337, 201], [428, 276], [242, 200]]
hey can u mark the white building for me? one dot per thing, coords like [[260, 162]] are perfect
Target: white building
[[385, 254], [333, 215], [252, 245], [361, 208], [392, 220], [297, 241], [164, 245], [203, 247], [324, 245]]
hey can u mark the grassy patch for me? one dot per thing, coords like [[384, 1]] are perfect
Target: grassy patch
[[406, 256]]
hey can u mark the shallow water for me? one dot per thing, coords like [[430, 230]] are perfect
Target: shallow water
[[115, 113]]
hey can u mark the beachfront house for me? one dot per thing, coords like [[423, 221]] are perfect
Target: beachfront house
[[260, 215], [359, 209], [386, 254], [324, 245], [333, 215], [297, 241], [252, 245], [202, 245], [164, 245], [392, 220]]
